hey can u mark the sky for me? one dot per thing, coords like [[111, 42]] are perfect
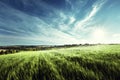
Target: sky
[[56, 22]]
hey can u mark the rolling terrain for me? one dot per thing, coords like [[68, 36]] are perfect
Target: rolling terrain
[[98, 62]]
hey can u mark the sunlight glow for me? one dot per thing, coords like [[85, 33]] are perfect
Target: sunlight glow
[[99, 34]]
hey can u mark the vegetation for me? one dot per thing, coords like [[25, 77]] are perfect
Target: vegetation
[[15, 49], [98, 62]]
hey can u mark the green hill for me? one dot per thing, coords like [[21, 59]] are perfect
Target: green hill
[[100, 62]]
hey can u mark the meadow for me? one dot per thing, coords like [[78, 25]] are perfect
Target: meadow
[[98, 62]]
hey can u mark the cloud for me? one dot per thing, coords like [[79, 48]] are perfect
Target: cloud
[[95, 8], [24, 27], [51, 36], [72, 19], [7, 31], [19, 23], [41, 22], [116, 35]]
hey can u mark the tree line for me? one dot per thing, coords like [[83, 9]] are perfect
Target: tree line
[[15, 49]]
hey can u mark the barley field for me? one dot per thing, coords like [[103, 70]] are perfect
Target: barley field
[[99, 62]]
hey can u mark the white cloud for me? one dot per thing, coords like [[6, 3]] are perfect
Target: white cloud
[[63, 27], [71, 20], [56, 36], [95, 9], [62, 15], [4, 30], [43, 32], [116, 35]]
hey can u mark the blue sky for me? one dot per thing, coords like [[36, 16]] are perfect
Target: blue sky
[[52, 22]]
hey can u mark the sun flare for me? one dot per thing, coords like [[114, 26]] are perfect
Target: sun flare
[[99, 34]]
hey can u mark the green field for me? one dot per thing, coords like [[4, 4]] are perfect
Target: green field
[[100, 62]]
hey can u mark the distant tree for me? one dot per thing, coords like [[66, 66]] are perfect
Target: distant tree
[[86, 44], [1, 52]]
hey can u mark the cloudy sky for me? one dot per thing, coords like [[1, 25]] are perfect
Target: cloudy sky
[[52, 22]]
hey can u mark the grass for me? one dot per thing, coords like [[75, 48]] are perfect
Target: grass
[[100, 62]]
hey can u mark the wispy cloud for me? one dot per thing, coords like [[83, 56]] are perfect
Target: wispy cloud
[[45, 22], [27, 27], [95, 8]]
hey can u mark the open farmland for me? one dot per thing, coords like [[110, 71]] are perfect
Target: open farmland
[[100, 62]]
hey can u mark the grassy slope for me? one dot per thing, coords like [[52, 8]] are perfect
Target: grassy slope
[[79, 63]]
